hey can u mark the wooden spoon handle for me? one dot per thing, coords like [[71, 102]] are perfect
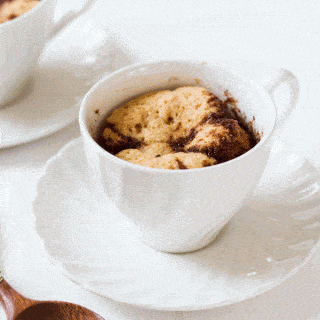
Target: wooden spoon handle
[[12, 301]]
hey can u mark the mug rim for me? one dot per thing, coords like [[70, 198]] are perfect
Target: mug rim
[[25, 15], [86, 135]]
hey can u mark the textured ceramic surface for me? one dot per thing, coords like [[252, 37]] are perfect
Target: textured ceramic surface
[[260, 247]]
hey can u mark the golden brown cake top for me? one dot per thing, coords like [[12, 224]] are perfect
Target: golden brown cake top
[[184, 128]]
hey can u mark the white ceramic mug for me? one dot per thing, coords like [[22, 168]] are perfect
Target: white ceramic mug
[[181, 210], [22, 41]]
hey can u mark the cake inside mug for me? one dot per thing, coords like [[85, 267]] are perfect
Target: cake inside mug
[[11, 9], [185, 128]]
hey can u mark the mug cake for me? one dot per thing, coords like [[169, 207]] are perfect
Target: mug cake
[[185, 128]]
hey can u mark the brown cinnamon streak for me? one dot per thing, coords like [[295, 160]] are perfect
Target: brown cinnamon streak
[[126, 142]]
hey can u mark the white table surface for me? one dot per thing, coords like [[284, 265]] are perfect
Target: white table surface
[[279, 33]]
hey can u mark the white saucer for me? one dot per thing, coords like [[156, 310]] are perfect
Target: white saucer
[[71, 63], [264, 244]]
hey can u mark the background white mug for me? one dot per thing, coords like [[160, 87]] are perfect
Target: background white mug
[[21, 42], [181, 210]]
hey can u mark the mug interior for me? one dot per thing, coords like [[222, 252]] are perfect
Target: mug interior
[[113, 91]]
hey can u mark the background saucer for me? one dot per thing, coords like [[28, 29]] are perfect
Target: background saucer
[[96, 247], [70, 65]]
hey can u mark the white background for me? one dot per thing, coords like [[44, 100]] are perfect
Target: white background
[[277, 33]]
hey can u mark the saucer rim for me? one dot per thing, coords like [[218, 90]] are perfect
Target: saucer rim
[[49, 130], [39, 132]]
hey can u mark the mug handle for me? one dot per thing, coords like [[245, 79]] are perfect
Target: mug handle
[[68, 17], [272, 84]]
